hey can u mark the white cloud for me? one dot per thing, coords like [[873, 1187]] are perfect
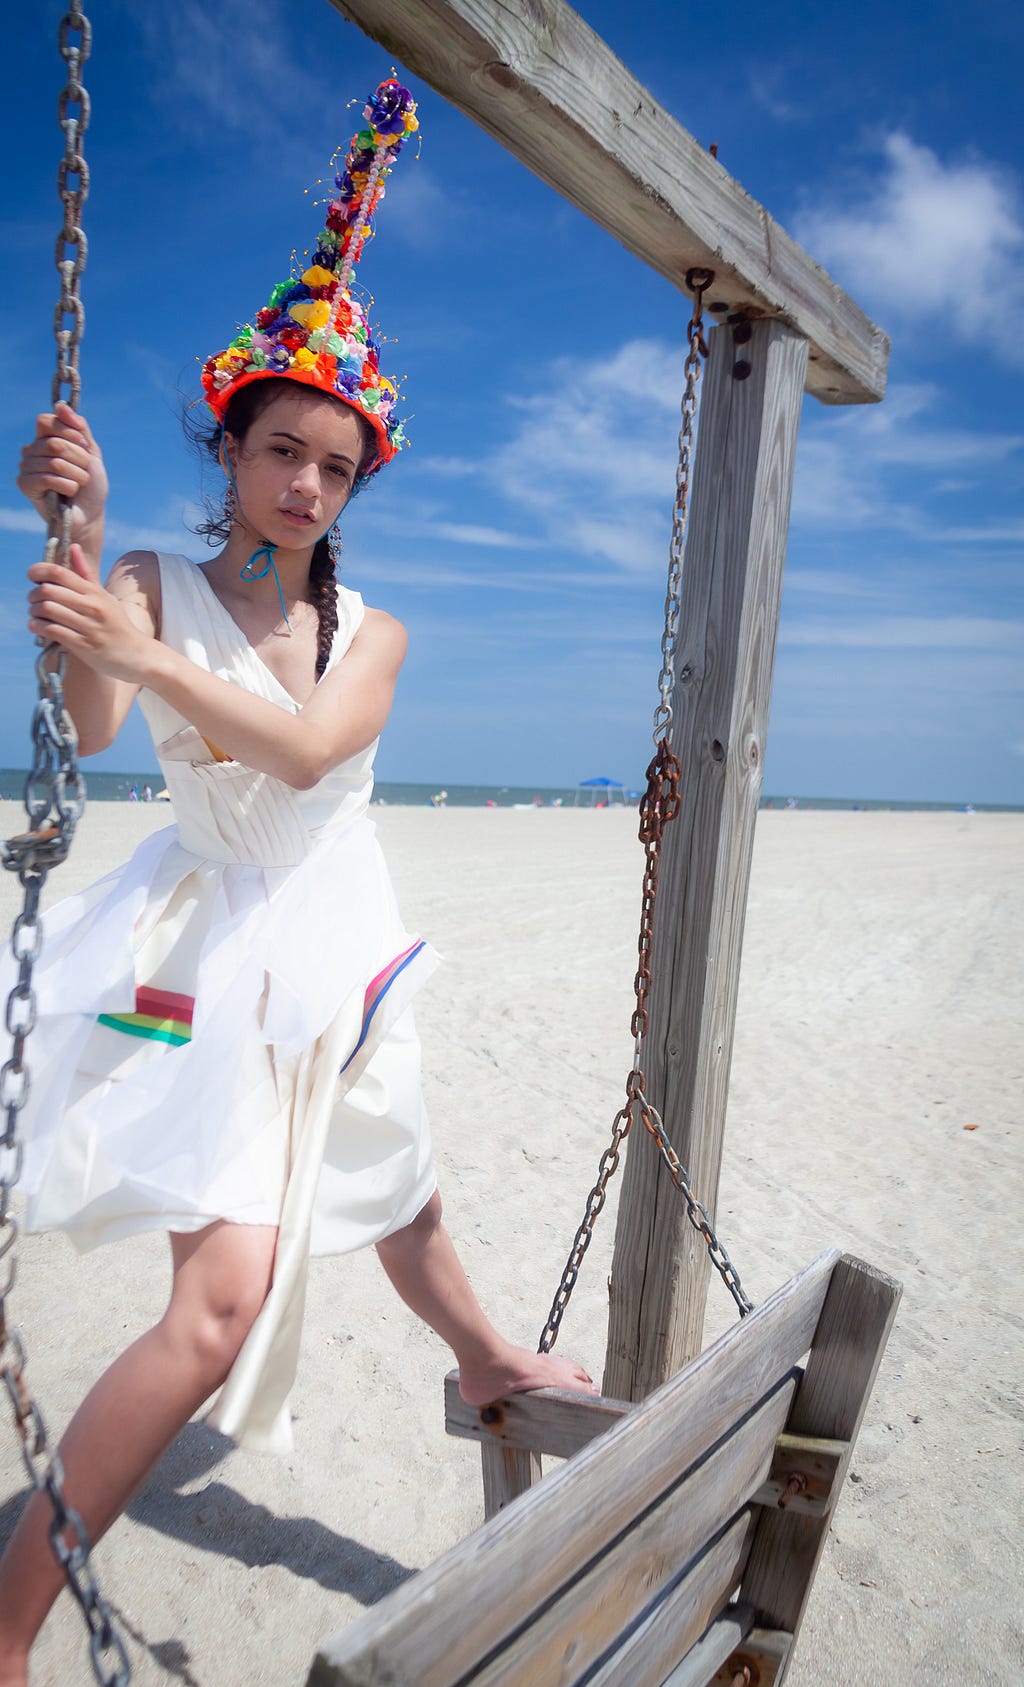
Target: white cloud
[[924, 632], [987, 533], [236, 62], [591, 458], [765, 87], [21, 521], [927, 239], [852, 468], [425, 526], [122, 535], [825, 582]]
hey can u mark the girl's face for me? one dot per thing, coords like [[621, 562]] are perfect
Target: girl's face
[[296, 466]]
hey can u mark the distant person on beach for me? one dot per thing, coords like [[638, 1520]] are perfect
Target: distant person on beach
[[147, 793], [227, 1050], [133, 794]]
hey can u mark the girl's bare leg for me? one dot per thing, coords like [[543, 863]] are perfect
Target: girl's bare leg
[[134, 1412], [425, 1269]]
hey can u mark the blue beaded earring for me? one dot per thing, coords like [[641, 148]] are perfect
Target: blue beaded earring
[[334, 545]]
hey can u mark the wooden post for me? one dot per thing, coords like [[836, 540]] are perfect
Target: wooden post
[[732, 582]]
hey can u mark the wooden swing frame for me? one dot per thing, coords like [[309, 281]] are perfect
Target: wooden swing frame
[[677, 1546]]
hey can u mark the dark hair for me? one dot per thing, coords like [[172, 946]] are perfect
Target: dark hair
[[242, 410]]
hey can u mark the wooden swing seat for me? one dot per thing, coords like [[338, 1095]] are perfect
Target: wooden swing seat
[[678, 1544]]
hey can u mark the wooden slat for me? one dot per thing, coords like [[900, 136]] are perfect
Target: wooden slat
[[713, 1648], [850, 1340], [550, 1420], [576, 1628], [410, 1637], [765, 1652], [507, 1472], [732, 586], [679, 1619], [553, 93]]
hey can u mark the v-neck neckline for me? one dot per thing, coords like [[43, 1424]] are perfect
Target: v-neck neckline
[[246, 640]]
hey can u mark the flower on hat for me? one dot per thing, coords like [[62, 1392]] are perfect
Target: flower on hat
[[311, 313]]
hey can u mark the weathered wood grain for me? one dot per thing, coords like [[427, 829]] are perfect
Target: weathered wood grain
[[850, 1340], [507, 1472], [539, 80], [712, 1649], [634, 1575], [548, 1537], [732, 584], [679, 1618], [550, 1420]]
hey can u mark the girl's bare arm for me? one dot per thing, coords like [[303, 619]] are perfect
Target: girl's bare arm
[[346, 712], [97, 702], [106, 633]]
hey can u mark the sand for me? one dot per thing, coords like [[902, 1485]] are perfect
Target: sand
[[879, 1016]]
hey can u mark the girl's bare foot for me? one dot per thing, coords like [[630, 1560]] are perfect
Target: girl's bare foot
[[514, 1370]]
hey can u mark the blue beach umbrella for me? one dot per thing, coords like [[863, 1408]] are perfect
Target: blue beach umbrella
[[601, 783]]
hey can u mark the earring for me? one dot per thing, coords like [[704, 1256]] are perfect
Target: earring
[[230, 505], [334, 545]]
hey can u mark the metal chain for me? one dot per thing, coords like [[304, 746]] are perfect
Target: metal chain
[[660, 805], [698, 281], [54, 802]]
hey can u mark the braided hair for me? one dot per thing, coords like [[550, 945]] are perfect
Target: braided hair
[[243, 409], [325, 601]]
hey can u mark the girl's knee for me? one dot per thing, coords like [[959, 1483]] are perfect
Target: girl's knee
[[222, 1279], [214, 1330], [220, 1330], [420, 1229]]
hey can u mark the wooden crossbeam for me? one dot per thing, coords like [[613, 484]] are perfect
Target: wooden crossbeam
[[550, 1420], [552, 92], [556, 1423]]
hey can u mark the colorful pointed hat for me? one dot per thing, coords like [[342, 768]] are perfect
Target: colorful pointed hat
[[313, 329]]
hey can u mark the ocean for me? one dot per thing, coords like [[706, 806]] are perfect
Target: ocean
[[116, 787]]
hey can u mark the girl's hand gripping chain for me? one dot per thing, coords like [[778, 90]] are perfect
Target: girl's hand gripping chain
[[64, 458], [105, 628], [69, 607]]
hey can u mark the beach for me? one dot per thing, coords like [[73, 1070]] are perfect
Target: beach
[[874, 1106]]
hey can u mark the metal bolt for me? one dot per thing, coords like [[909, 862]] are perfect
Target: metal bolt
[[795, 1485]]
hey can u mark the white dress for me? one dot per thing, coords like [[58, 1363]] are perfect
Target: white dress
[[225, 1029]]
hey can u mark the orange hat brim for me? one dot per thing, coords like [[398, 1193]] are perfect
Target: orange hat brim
[[219, 401]]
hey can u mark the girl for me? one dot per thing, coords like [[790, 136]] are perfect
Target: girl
[[225, 1048]]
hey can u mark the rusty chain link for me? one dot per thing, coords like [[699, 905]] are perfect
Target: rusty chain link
[[54, 802], [660, 805]]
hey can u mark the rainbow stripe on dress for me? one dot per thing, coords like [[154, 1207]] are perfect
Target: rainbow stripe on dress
[[378, 988], [161, 1015]]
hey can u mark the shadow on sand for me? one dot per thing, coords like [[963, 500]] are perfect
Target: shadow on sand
[[218, 1519]]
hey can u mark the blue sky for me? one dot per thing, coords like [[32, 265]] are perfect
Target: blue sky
[[523, 537]]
